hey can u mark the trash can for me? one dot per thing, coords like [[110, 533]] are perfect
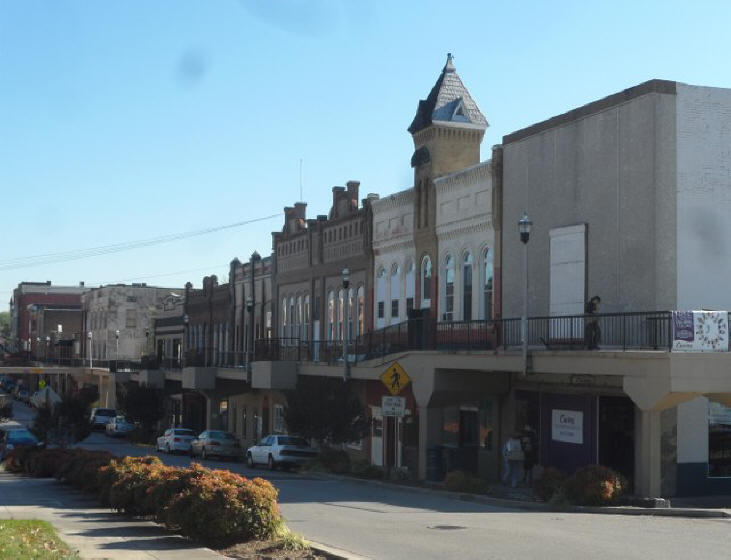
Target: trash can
[[434, 470]]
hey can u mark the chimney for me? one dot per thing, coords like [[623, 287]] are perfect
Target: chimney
[[81, 284], [300, 210], [353, 192]]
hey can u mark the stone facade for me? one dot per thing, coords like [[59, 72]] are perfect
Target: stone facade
[[129, 309]]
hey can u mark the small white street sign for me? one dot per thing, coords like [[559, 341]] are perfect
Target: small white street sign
[[393, 406]]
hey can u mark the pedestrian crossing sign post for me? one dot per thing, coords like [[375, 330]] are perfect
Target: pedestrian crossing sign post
[[395, 378]]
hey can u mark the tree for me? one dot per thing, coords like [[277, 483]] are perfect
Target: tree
[[142, 404], [65, 422], [5, 324], [325, 409]]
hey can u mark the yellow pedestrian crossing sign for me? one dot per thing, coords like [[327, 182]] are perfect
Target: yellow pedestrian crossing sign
[[395, 378], [41, 384]]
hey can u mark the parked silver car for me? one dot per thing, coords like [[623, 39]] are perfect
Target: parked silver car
[[119, 426], [280, 450], [175, 439], [215, 443]]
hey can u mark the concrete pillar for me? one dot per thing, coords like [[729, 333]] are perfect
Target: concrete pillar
[[209, 410], [430, 434], [648, 458]]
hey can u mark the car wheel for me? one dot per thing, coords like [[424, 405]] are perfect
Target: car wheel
[[167, 448], [204, 455], [249, 461], [192, 452], [271, 464]]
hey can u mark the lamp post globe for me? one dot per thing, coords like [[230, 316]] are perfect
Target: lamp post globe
[[524, 226]]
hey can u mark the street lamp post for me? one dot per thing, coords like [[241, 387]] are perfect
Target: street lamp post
[[249, 337], [90, 336], [116, 354], [48, 344], [524, 226], [346, 321], [186, 342]]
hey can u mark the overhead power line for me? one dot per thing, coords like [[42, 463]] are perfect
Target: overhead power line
[[76, 254]]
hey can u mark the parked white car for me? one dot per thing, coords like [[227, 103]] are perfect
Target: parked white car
[[175, 439], [100, 416], [280, 450], [119, 426]]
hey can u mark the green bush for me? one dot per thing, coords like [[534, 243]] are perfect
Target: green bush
[[551, 481], [362, 468], [334, 460], [461, 481], [594, 485], [213, 506]]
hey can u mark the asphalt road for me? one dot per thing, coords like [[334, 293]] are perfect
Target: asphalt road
[[390, 523]]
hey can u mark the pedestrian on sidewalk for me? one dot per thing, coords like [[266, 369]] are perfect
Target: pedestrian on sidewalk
[[513, 456], [528, 442]]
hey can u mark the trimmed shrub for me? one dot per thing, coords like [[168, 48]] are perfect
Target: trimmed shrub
[[552, 480], [362, 468], [216, 507], [461, 481], [594, 485], [220, 507], [336, 461]]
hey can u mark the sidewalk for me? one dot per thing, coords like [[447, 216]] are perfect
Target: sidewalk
[[95, 532]]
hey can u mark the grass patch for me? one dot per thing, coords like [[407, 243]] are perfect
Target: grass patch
[[36, 540]]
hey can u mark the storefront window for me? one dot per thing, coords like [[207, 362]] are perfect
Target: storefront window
[[719, 439]]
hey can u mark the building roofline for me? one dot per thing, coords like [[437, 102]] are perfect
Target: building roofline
[[651, 86]]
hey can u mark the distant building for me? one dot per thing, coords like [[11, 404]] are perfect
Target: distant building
[[127, 309], [42, 314]]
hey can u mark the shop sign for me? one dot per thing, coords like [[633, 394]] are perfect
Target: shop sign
[[393, 406], [567, 426], [700, 331], [395, 378]]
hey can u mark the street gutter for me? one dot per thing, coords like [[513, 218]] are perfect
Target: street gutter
[[540, 506]]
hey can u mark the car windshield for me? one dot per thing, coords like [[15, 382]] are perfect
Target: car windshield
[[184, 432], [289, 440], [21, 435], [106, 412], [220, 435]]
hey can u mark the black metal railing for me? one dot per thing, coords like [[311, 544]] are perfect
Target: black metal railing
[[610, 331], [213, 357]]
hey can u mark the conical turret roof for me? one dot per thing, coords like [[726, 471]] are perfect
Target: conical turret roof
[[448, 101]]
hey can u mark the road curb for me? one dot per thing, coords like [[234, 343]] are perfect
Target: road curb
[[538, 506], [336, 553]]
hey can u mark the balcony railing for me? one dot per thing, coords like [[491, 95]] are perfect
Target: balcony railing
[[611, 331], [213, 357]]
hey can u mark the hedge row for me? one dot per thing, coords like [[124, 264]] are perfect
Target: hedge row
[[216, 507]]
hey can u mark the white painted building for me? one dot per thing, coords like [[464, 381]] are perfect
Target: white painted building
[[393, 249], [466, 244]]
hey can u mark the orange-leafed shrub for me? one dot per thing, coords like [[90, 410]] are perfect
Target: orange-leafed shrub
[[595, 485], [222, 507]]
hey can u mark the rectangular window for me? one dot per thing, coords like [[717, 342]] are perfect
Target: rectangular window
[[409, 304], [381, 306], [130, 320], [394, 308], [719, 440], [278, 419]]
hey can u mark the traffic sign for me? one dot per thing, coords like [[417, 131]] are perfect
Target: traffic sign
[[393, 406], [395, 378], [41, 384]]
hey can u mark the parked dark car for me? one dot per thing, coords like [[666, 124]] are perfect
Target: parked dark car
[[14, 436], [216, 442]]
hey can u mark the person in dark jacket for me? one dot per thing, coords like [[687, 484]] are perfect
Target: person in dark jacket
[[592, 333]]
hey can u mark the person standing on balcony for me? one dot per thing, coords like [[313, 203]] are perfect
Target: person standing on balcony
[[592, 333]]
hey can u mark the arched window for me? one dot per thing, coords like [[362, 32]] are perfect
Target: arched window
[[410, 286], [426, 282], [381, 298], [341, 314], [467, 287], [487, 285], [299, 330], [292, 318], [284, 318], [307, 313], [330, 327], [395, 293], [350, 332], [449, 288], [361, 311]]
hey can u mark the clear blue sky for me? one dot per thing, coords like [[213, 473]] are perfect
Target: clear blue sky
[[128, 120]]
